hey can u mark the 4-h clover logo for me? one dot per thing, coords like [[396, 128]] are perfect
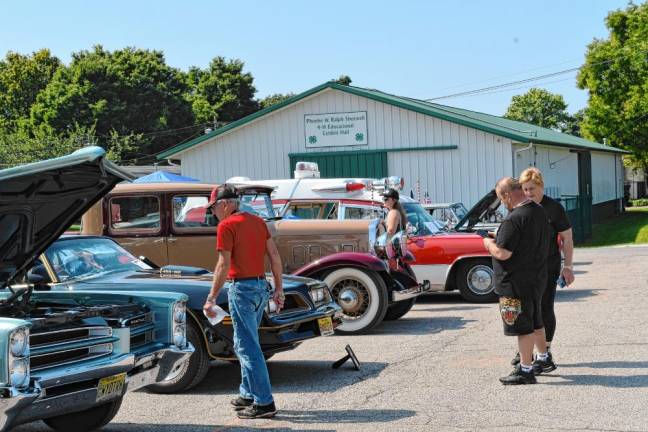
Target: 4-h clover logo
[[312, 139], [359, 137]]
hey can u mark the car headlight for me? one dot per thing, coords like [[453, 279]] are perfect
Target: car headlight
[[319, 294], [180, 335], [19, 372], [179, 312], [19, 343]]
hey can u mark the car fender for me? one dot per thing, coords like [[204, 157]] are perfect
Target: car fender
[[342, 259], [452, 269]]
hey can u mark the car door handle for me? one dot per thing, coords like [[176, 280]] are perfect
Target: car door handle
[[172, 240], [158, 241]]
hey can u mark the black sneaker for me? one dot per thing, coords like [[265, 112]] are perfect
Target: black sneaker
[[516, 359], [543, 366], [240, 403], [258, 411], [518, 376]]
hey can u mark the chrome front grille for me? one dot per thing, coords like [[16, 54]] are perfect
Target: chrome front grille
[[142, 329], [70, 345]]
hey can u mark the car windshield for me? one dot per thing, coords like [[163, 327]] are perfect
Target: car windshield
[[460, 211], [422, 222], [257, 204], [90, 257]]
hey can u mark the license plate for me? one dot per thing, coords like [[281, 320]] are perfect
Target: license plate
[[325, 326], [110, 387]]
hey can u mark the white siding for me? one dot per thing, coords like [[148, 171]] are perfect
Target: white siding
[[606, 172], [260, 149], [464, 174], [559, 167]]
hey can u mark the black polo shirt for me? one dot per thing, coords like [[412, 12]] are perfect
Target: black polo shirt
[[524, 232]]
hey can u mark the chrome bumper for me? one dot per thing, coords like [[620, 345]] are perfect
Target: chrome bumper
[[155, 367], [34, 403], [409, 293]]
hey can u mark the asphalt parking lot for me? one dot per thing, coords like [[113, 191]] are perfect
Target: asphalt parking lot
[[437, 369]]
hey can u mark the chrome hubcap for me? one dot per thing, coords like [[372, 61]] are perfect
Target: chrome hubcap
[[352, 296], [480, 279]]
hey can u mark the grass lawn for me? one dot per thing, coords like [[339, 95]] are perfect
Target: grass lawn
[[628, 228]]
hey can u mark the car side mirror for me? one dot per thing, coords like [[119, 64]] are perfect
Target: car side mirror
[[412, 229], [37, 275]]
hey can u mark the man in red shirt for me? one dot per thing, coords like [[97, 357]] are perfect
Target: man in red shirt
[[243, 241]]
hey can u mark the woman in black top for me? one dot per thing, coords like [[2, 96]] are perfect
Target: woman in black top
[[561, 237]]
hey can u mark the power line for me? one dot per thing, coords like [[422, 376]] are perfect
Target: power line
[[504, 85], [486, 90]]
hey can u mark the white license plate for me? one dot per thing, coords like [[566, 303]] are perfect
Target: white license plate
[[325, 326], [110, 387]]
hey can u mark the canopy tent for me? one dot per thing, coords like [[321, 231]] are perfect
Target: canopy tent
[[164, 177]]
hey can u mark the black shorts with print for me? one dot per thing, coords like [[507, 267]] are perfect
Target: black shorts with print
[[521, 316]]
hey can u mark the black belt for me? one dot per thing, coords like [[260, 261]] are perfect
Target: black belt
[[247, 278]]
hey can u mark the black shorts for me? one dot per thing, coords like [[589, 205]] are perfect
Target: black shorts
[[521, 316]]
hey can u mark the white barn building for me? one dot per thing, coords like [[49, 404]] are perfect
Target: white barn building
[[452, 154]]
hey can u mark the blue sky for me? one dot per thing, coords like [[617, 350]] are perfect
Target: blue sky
[[419, 49]]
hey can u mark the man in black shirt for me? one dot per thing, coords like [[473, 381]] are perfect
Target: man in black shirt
[[560, 235], [520, 264]]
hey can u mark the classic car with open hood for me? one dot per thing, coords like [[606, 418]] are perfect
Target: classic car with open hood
[[168, 223], [68, 357]]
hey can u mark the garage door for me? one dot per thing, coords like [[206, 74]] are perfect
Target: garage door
[[345, 164]]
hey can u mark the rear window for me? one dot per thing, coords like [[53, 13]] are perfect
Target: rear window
[[135, 213]]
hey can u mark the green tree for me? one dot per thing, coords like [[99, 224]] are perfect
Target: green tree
[[20, 147], [572, 124], [274, 99], [616, 75], [222, 92], [121, 93], [539, 107], [22, 77]]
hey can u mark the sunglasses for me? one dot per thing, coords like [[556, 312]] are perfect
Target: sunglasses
[[386, 198]]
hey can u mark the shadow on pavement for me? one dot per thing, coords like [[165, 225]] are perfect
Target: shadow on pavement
[[450, 308], [441, 297], [630, 381], [344, 416], [570, 295], [421, 326], [291, 376], [134, 427], [610, 365], [582, 263]]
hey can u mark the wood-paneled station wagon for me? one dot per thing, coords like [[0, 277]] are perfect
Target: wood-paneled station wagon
[[166, 223]]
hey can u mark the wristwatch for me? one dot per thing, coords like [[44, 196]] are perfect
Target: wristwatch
[[210, 299], [570, 267]]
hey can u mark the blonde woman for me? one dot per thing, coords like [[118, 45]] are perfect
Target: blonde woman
[[561, 236]]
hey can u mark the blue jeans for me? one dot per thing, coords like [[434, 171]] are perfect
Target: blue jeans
[[247, 302]]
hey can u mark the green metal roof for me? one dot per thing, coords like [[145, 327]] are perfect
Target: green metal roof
[[515, 130]]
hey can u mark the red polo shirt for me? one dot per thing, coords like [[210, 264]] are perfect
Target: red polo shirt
[[245, 236]]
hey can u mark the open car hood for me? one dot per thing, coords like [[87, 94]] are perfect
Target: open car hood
[[480, 211], [39, 201]]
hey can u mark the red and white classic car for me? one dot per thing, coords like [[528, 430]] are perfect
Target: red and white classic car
[[448, 259]]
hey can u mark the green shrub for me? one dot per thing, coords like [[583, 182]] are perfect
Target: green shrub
[[642, 202]]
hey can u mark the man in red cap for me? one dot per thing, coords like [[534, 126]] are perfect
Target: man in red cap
[[243, 241]]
